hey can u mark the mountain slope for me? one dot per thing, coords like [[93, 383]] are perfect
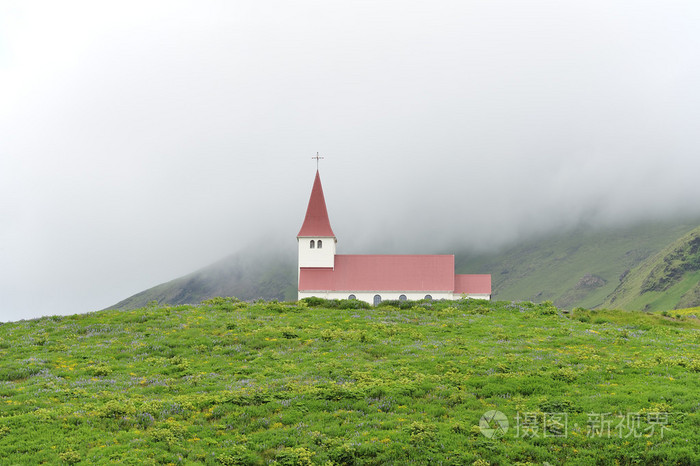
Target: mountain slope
[[668, 280], [247, 275], [577, 268]]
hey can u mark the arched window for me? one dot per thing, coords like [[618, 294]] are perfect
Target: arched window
[[428, 297], [377, 299], [352, 296], [319, 244], [403, 297], [312, 244]]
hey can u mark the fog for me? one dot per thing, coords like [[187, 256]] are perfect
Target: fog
[[140, 141]]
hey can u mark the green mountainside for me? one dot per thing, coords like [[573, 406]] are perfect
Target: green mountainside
[[465, 382], [578, 268], [247, 275], [573, 269], [668, 280]]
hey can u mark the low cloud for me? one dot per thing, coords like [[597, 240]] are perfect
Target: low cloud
[[142, 143]]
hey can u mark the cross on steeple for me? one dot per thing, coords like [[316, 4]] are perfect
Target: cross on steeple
[[317, 157]]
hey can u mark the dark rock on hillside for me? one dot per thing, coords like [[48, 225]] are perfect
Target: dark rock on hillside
[[589, 282]]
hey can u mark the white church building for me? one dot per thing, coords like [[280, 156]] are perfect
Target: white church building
[[373, 278]]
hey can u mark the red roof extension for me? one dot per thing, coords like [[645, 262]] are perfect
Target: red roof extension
[[477, 284], [382, 273], [316, 222]]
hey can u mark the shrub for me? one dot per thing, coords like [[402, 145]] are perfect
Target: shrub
[[328, 334], [116, 408], [235, 456], [566, 374], [353, 304], [694, 365], [458, 428], [547, 308], [163, 435], [99, 370], [299, 456], [179, 364], [70, 457], [274, 306], [344, 453], [40, 339], [421, 432], [314, 301]]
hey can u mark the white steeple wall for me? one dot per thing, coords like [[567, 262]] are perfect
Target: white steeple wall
[[315, 256]]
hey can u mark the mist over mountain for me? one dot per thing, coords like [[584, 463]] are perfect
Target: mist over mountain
[[143, 141], [250, 274]]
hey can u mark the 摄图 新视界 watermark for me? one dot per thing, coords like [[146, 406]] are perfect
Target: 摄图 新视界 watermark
[[495, 424]]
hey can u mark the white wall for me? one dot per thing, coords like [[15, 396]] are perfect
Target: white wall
[[368, 296], [324, 257]]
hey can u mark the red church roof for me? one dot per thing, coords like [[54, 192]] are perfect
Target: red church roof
[[382, 273], [477, 284], [316, 222]]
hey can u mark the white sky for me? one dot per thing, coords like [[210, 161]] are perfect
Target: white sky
[[142, 140]]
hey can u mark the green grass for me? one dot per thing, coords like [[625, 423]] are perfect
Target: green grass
[[316, 382]]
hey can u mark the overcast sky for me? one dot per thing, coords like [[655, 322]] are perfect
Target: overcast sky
[[142, 140]]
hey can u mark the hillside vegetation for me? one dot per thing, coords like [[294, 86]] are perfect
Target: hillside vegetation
[[574, 269], [571, 268], [668, 280], [337, 382]]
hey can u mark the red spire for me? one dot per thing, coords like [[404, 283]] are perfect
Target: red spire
[[316, 222]]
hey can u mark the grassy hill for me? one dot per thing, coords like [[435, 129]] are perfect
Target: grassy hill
[[668, 280], [317, 382], [571, 268]]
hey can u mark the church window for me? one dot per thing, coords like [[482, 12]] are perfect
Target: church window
[[403, 297], [352, 296], [319, 244], [428, 297], [312, 244], [377, 299]]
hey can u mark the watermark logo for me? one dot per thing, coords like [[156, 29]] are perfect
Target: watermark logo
[[493, 424]]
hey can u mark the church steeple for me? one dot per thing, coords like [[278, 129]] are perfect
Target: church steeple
[[316, 222], [316, 239]]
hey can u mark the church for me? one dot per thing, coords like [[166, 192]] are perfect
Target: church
[[373, 278]]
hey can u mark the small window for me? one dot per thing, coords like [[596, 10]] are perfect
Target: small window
[[319, 244], [403, 297], [377, 299], [428, 297], [352, 296], [312, 244]]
